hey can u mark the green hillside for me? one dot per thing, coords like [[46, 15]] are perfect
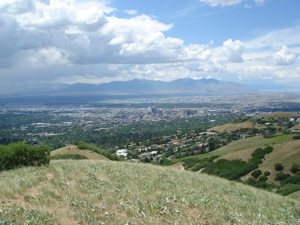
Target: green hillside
[[235, 161], [106, 192], [74, 150]]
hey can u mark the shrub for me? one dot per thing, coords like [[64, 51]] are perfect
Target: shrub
[[281, 176], [295, 168], [288, 189], [267, 173], [19, 154], [230, 169], [296, 137], [86, 146], [263, 178], [256, 173], [293, 179], [278, 167]]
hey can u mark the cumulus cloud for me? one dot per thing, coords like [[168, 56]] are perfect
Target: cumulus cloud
[[78, 39], [49, 41], [231, 51], [284, 56], [87, 34]]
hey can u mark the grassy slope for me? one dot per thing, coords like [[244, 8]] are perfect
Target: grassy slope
[[105, 192], [286, 151], [72, 149], [232, 126], [243, 148]]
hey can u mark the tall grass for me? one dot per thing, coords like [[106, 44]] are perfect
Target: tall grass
[[100, 192]]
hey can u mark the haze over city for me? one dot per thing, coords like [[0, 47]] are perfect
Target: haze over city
[[49, 43]]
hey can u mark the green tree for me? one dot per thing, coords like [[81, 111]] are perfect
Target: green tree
[[295, 168], [279, 167], [256, 173]]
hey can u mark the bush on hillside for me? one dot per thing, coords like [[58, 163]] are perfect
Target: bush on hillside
[[86, 146], [288, 189], [297, 137], [230, 169], [278, 167], [263, 178], [267, 173], [256, 173], [281, 176], [295, 168], [19, 154], [259, 154]]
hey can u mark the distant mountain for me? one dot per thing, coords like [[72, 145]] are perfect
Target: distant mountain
[[142, 86]]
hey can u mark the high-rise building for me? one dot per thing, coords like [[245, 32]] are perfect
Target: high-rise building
[[205, 112]]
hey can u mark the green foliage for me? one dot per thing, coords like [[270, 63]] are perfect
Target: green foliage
[[259, 154], [295, 168], [292, 179], [195, 163], [86, 146], [234, 169], [68, 156], [19, 154], [260, 183], [288, 189], [256, 173], [297, 137], [267, 173], [278, 167], [263, 178], [281, 176], [229, 169]]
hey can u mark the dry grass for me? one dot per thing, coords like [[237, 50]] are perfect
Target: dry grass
[[279, 114], [105, 192], [232, 127], [287, 154], [72, 149]]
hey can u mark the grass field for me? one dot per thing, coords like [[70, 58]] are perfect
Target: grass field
[[232, 127], [72, 149], [280, 114], [105, 192]]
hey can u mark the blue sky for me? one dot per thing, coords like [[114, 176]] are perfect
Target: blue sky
[[48, 43], [196, 22]]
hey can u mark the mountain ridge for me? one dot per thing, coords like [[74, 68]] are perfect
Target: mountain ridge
[[143, 86]]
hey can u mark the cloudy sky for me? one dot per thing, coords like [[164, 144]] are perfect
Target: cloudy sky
[[47, 43]]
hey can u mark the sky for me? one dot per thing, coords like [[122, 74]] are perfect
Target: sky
[[46, 44]]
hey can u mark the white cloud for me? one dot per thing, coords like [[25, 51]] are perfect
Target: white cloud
[[284, 56], [131, 12], [72, 41], [221, 2], [231, 51], [259, 2], [224, 3], [15, 6]]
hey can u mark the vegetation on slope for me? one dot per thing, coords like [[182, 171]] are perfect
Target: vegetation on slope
[[19, 154], [87, 146], [74, 150], [105, 192]]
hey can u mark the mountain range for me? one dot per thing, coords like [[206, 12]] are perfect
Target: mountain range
[[144, 87]]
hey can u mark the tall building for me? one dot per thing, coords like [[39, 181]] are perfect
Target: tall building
[[205, 113]]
